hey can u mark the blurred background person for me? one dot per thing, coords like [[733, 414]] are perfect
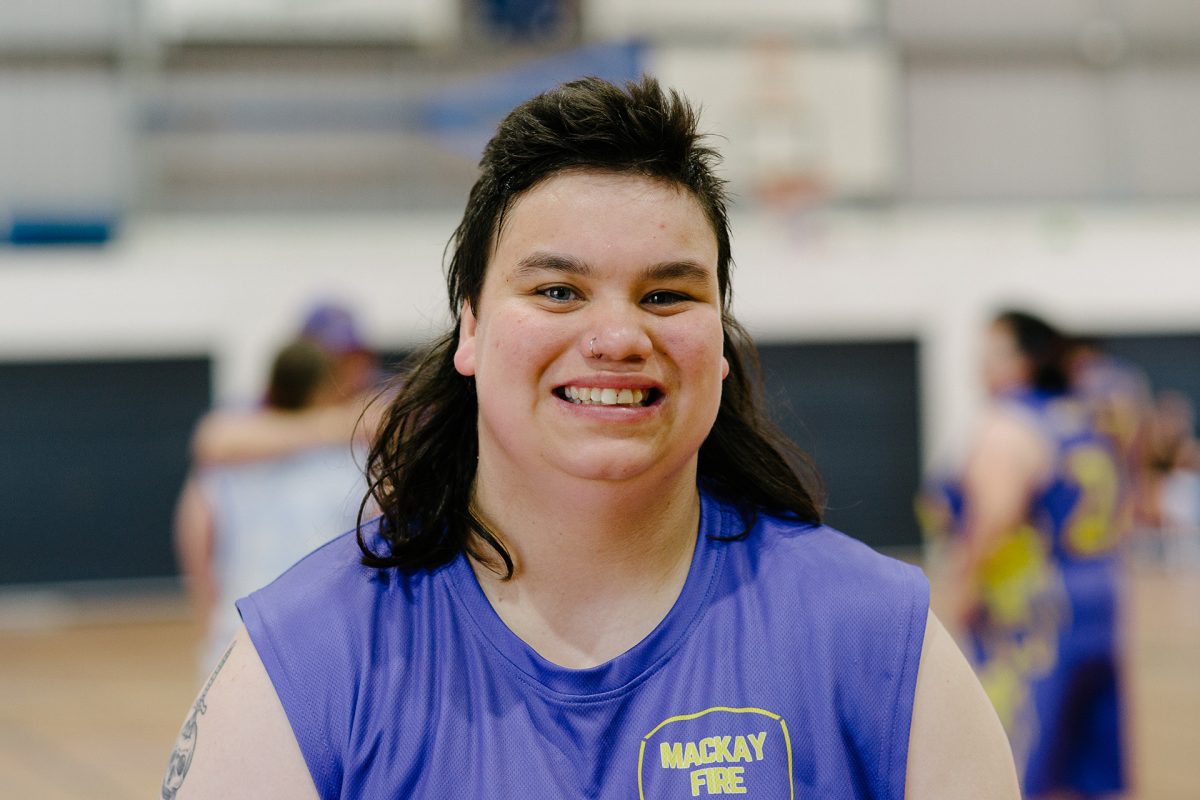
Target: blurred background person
[[1029, 534], [230, 436], [239, 525], [1172, 461], [1118, 394]]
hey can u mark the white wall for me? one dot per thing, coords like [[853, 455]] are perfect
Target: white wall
[[822, 118], [425, 21], [940, 274], [236, 287]]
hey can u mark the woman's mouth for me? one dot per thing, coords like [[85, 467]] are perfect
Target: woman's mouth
[[607, 396]]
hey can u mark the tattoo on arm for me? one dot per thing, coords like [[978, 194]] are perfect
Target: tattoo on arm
[[185, 745]]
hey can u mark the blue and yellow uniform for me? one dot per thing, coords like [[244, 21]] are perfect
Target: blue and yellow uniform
[[1045, 639]]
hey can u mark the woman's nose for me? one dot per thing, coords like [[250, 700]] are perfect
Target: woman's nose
[[616, 338]]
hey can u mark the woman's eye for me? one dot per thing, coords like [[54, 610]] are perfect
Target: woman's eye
[[663, 298], [561, 294]]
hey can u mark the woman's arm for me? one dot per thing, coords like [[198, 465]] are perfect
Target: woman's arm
[[236, 741], [956, 746], [1010, 458], [229, 437]]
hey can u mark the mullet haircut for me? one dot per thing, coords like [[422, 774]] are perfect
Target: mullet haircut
[[421, 466]]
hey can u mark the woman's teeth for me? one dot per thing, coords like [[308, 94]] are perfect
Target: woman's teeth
[[590, 395]]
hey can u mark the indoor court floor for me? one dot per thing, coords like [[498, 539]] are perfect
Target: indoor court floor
[[91, 699]]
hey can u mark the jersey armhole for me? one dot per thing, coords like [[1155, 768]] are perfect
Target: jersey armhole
[[906, 682], [298, 705]]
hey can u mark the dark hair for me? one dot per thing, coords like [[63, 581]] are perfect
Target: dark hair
[[422, 463], [1043, 346], [299, 369]]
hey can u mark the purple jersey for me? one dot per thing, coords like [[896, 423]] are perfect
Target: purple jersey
[[1045, 644], [786, 668]]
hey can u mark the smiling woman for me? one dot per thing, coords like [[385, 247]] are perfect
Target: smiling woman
[[599, 572], [646, 326], [578, 183]]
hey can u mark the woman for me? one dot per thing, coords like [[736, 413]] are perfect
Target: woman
[[596, 574], [1033, 577], [238, 526]]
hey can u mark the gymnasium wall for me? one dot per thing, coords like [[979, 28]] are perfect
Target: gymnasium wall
[[899, 170], [234, 287]]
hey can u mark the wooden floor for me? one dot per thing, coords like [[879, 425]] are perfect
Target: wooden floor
[[92, 711], [90, 708], [1164, 680]]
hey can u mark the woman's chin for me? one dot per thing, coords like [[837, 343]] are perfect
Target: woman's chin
[[617, 464]]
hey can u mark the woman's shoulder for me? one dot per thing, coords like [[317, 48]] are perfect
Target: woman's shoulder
[[320, 630], [327, 569], [329, 606], [853, 622], [793, 548], [833, 581], [332, 581], [819, 550]]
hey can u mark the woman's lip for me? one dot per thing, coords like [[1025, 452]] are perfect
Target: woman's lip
[[612, 382]]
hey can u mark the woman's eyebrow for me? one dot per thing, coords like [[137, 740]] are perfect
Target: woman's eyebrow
[[688, 271], [552, 262]]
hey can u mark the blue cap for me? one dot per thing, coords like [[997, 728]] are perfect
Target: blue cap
[[333, 328]]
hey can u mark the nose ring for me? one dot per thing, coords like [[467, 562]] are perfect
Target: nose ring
[[592, 348]]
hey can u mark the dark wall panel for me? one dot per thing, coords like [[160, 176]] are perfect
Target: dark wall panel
[[854, 407], [92, 455]]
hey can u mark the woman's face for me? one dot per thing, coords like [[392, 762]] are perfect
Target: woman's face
[[1005, 368], [596, 345]]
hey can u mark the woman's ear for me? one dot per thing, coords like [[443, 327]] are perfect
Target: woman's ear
[[464, 355], [724, 367]]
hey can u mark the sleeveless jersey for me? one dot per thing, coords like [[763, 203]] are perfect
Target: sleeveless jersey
[[267, 515], [1067, 548], [785, 669], [1045, 644]]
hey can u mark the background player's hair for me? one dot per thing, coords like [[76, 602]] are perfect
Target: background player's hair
[[422, 463], [1043, 346], [298, 371]]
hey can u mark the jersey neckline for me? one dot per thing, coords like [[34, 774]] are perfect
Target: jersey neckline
[[626, 670]]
